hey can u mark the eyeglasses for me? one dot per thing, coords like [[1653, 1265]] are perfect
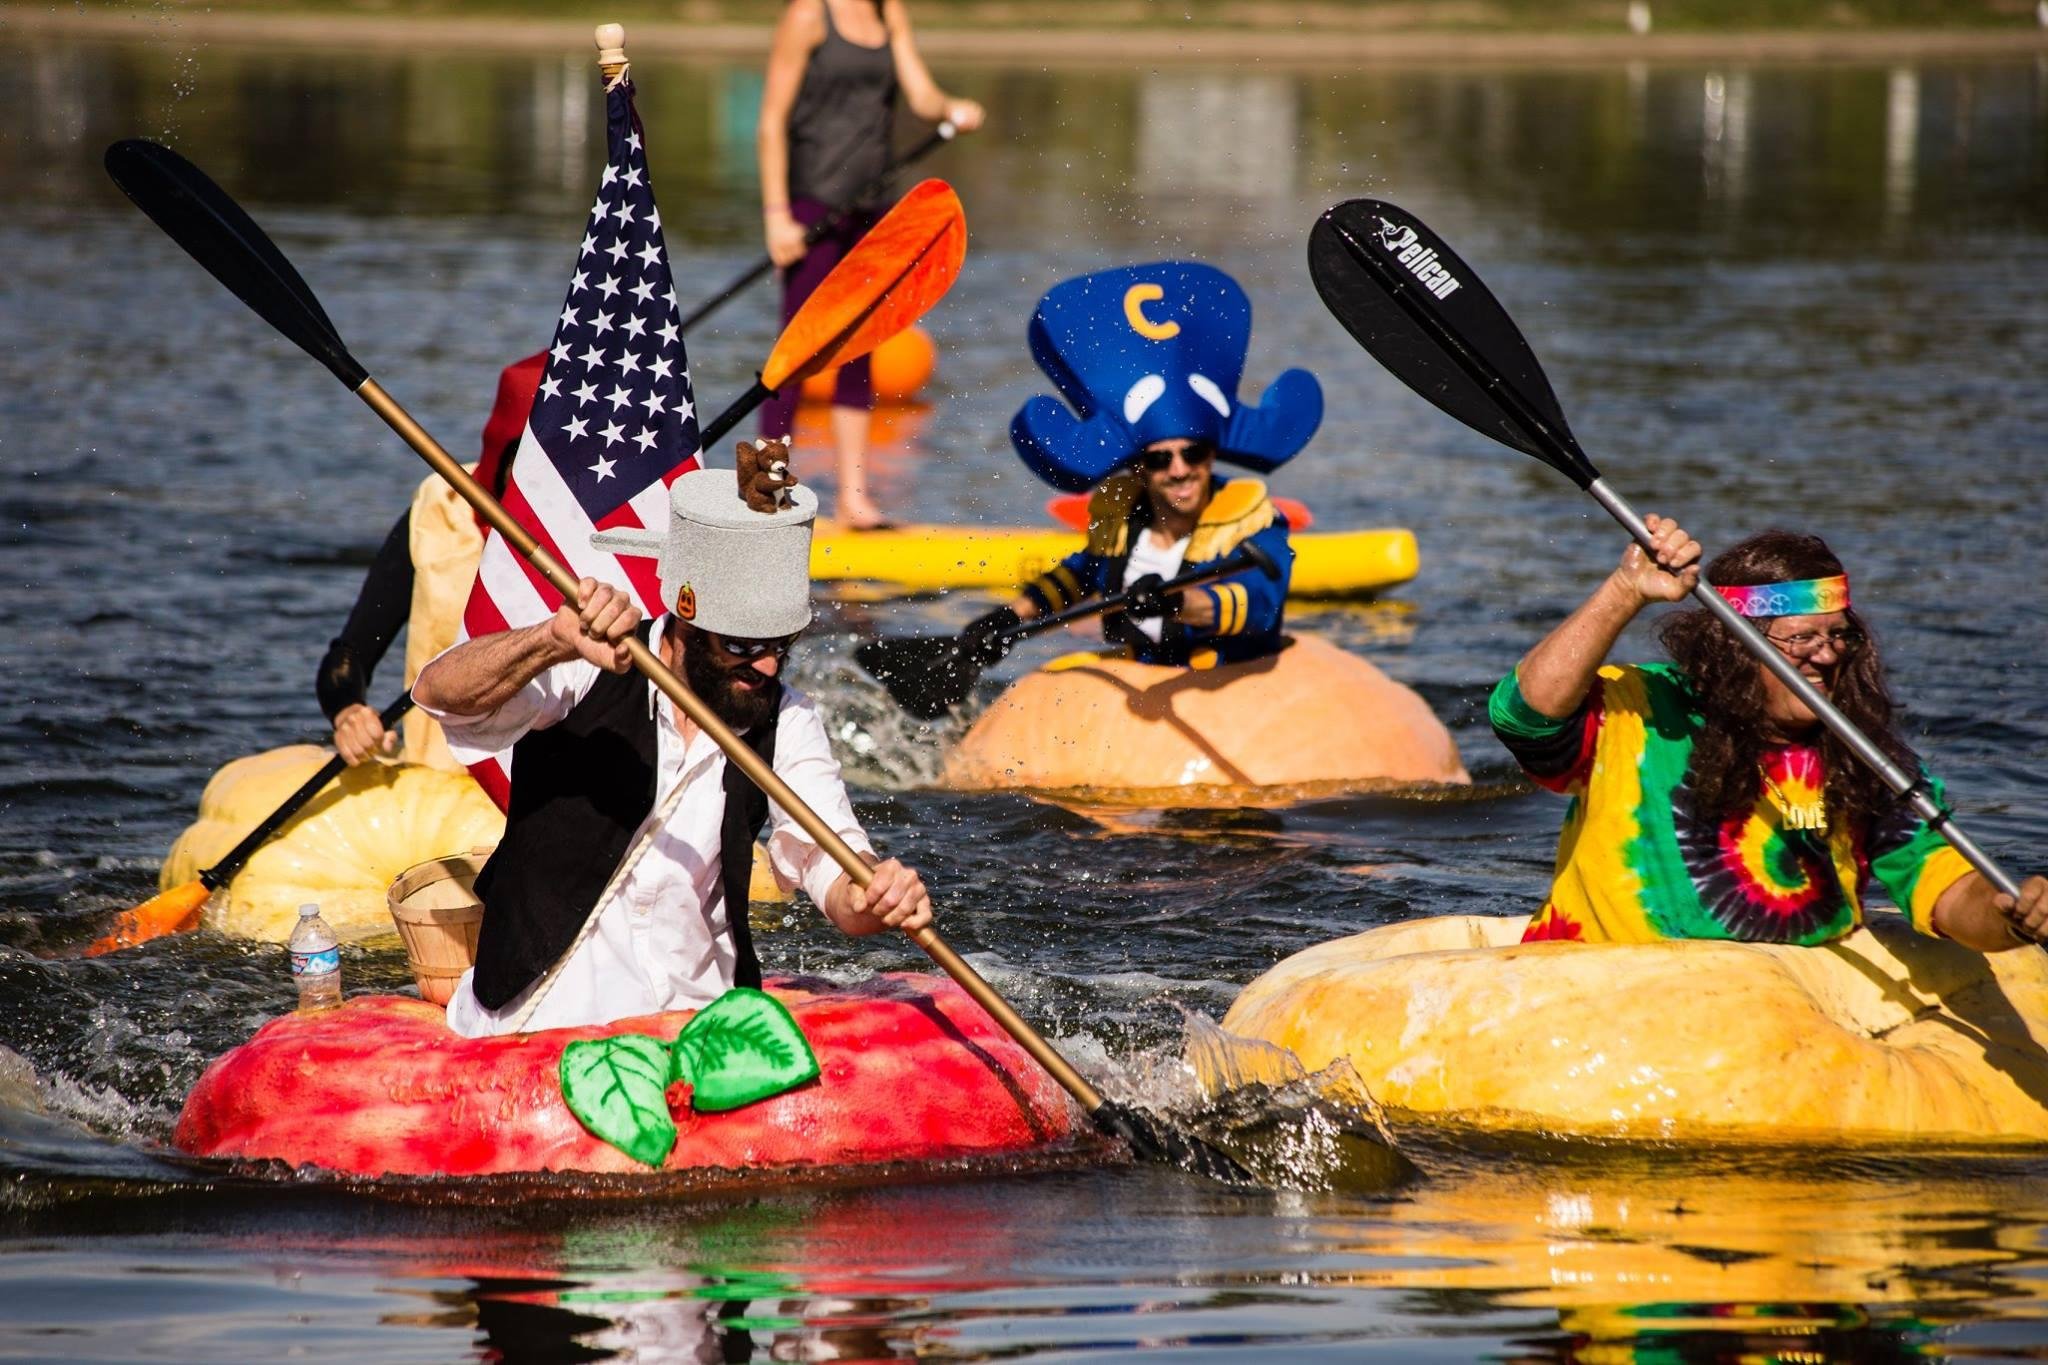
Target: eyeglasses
[[1844, 640], [753, 649], [1159, 461]]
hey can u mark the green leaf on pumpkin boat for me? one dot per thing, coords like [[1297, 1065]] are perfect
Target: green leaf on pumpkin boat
[[616, 1087], [742, 1047]]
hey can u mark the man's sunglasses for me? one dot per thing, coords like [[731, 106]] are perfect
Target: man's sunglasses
[[752, 649], [1159, 461]]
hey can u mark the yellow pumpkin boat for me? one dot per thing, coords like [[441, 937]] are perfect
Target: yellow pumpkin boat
[[1884, 1035], [342, 851], [346, 848], [1309, 719]]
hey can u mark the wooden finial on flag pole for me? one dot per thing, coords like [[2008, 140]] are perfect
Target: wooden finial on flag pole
[[611, 52]]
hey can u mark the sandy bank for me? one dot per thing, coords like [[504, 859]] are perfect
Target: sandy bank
[[1011, 46]]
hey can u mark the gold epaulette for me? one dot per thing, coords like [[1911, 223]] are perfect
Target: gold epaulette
[[1109, 513], [1239, 511], [1058, 587]]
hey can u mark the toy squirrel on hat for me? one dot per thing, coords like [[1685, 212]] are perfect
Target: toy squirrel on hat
[[736, 556], [1144, 355]]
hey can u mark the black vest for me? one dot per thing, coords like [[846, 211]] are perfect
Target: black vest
[[580, 788]]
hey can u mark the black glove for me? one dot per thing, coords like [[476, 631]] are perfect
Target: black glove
[[1143, 599], [982, 643]]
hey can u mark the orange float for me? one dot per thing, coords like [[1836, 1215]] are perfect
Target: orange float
[[1071, 511], [1311, 718], [901, 367]]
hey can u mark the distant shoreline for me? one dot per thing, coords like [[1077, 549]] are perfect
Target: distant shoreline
[[1009, 46]]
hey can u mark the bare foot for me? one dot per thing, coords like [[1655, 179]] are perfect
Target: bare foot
[[861, 514]]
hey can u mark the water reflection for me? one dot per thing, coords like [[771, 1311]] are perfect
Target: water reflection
[[1594, 1256], [1772, 1256], [1205, 133], [1108, 154]]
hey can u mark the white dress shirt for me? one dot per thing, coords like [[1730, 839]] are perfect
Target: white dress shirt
[[661, 940], [1148, 556]]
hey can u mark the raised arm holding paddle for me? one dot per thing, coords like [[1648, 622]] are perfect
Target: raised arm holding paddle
[[1747, 789]]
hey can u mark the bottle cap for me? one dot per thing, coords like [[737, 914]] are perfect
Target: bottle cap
[[308, 911]]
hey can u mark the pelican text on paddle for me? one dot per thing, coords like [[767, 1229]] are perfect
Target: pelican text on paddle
[[1402, 243]]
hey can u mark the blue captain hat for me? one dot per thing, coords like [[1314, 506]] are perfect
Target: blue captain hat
[[1150, 353]]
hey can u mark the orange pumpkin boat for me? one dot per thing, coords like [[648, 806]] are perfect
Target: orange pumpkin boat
[[1309, 719]]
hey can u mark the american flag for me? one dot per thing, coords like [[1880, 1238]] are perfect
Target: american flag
[[615, 419]]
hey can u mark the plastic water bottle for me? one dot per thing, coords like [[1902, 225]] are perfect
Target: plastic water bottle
[[316, 962]]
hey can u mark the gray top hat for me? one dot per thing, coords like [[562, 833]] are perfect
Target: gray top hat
[[725, 567]]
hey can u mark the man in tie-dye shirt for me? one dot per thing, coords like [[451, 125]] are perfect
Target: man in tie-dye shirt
[[1707, 800]]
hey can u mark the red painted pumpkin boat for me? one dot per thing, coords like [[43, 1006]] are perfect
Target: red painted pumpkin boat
[[909, 1068]]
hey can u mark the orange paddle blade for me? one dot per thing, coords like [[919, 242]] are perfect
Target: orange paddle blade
[[889, 280], [171, 912], [1071, 510]]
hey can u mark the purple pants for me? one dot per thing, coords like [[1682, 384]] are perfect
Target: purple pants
[[854, 388]]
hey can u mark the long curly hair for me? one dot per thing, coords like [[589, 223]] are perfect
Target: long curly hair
[[1727, 773]]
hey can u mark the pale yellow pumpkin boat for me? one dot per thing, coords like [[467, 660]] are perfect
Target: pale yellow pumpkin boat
[[341, 852], [346, 848], [1884, 1035]]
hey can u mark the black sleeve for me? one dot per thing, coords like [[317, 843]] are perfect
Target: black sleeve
[[378, 615]]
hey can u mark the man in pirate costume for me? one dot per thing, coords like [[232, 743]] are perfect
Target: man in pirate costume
[[620, 887], [1149, 357], [1708, 800]]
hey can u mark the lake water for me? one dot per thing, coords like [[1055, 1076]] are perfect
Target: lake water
[[1807, 295]]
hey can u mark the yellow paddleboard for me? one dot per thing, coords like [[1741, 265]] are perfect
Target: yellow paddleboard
[[931, 558]]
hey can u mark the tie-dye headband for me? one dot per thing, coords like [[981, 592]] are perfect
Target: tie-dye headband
[[1804, 597]]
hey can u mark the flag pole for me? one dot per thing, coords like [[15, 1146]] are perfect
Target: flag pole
[[611, 53]]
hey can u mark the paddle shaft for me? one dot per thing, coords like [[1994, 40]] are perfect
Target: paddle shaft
[[223, 871], [941, 135], [1247, 557], [760, 773], [1561, 455], [753, 398]]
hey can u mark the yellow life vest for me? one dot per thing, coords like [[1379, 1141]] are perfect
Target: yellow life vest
[[1237, 511], [445, 545]]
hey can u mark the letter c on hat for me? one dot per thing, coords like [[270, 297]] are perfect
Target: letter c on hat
[[1135, 299]]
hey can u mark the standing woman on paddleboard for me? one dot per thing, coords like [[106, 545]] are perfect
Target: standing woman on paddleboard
[[419, 581], [835, 68]]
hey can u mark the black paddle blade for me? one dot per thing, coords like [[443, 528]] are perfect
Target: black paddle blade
[[201, 217], [927, 677], [1422, 312], [1149, 1142]]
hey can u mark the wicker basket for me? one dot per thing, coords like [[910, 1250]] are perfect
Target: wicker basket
[[438, 915]]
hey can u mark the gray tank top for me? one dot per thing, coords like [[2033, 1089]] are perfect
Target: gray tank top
[[839, 127]]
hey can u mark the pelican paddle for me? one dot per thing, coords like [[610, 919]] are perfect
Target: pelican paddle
[[898, 271], [170, 912], [929, 676], [1422, 312], [939, 137]]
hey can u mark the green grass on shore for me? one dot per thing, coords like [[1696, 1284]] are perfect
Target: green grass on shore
[[1367, 16]]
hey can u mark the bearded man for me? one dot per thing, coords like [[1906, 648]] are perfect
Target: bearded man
[[620, 887], [1709, 801]]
